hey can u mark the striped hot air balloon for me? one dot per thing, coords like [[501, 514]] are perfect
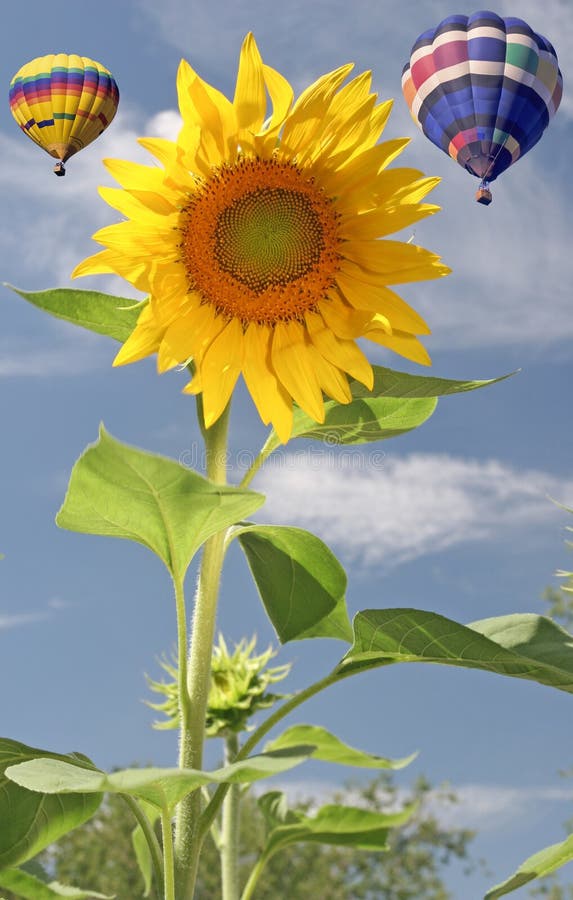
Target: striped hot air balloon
[[63, 103], [483, 89]]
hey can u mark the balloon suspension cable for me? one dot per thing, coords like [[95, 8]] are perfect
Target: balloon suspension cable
[[59, 169], [483, 193]]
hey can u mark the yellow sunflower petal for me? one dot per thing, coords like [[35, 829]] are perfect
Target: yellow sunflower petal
[[135, 176], [396, 261], [142, 342], [404, 344], [345, 322], [377, 298], [342, 353], [108, 261], [250, 99], [138, 238], [189, 335], [220, 369], [130, 206], [201, 104], [293, 366], [377, 223], [282, 96], [331, 379], [273, 402], [306, 116]]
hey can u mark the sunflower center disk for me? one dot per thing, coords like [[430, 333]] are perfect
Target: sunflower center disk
[[260, 242], [269, 237]]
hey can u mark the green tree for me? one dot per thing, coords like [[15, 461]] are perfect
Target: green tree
[[99, 855]]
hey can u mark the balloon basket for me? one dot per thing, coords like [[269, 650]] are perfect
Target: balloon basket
[[59, 169], [483, 195]]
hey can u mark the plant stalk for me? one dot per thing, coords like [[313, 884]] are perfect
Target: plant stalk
[[169, 874], [230, 828], [188, 839]]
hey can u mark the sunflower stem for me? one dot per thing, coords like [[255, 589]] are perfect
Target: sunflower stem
[[268, 447], [230, 828], [167, 832], [188, 839]]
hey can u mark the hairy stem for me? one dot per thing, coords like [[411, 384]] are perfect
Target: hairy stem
[[230, 829], [169, 875], [188, 840]]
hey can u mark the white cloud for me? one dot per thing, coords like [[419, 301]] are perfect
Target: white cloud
[[485, 808], [377, 510], [16, 620]]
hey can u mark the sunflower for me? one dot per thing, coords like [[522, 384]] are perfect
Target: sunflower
[[261, 240]]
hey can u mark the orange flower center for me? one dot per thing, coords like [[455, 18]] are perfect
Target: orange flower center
[[260, 241]]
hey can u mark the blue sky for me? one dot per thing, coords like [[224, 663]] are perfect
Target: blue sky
[[454, 517]]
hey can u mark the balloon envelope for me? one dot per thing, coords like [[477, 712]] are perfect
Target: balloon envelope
[[483, 89], [63, 102]]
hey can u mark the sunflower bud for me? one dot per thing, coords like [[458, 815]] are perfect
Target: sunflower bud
[[239, 688]]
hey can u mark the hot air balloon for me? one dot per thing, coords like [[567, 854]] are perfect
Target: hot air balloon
[[63, 103], [483, 89]]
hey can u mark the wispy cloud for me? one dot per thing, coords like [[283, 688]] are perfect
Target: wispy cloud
[[485, 808], [402, 508], [17, 620]]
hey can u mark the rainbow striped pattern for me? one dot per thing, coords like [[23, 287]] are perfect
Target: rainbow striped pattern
[[63, 102], [483, 89]]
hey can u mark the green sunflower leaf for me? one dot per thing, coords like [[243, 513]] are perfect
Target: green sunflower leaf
[[120, 491], [300, 581], [28, 887], [344, 826], [397, 403], [32, 821], [162, 788], [539, 865], [389, 383], [105, 314], [141, 847], [364, 419], [329, 748], [520, 646]]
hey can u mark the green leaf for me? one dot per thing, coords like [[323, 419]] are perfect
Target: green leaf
[[521, 646], [162, 788], [346, 826], [121, 491], [537, 866], [329, 748], [28, 887], [300, 581], [31, 821], [364, 419], [141, 847], [389, 383], [114, 317], [397, 403], [274, 807]]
